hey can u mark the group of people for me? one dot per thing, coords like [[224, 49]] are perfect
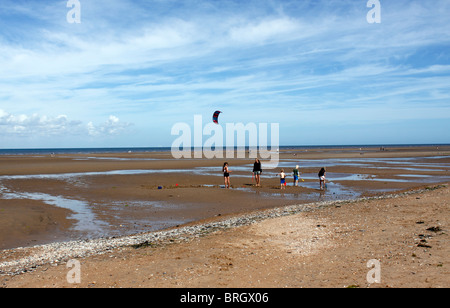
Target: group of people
[[296, 173], [257, 170]]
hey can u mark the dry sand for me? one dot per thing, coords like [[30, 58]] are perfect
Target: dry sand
[[324, 248]]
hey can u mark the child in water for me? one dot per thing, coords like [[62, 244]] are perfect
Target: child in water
[[322, 182], [296, 173], [282, 179]]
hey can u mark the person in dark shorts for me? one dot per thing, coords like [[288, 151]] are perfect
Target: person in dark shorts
[[226, 175], [257, 171]]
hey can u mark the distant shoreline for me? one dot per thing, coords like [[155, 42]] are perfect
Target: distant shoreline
[[110, 150]]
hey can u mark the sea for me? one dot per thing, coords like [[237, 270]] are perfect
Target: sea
[[48, 151]]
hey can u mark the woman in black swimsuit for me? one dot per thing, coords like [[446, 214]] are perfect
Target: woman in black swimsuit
[[226, 175], [257, 171]]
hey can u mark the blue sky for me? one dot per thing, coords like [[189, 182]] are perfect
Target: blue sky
[[132, 69]]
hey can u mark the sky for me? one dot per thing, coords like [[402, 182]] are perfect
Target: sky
[[130, 70]]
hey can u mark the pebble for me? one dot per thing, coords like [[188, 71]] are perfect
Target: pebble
[[62, 252]]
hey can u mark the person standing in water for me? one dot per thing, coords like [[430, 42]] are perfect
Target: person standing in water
[[296, 173], [257, 171], [282, 179], [226, 175], [322, 174]]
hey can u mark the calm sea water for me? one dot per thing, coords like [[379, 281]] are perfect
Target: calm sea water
[[168, 149], [78, 151]]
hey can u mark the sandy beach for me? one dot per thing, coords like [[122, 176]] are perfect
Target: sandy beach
[[47, 200]]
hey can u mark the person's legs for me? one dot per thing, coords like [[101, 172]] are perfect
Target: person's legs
[[322, 182]]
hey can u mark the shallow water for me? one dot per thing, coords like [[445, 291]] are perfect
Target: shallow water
[[86, 221], [287, 164], [89, 223], [64, 176]]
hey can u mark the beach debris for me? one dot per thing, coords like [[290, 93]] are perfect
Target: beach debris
[[434, 229], [216, 116], [160, 187], [423, 245]]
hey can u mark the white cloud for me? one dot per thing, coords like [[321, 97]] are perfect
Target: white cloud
[[111, 127], [24, 125], [44, 126]]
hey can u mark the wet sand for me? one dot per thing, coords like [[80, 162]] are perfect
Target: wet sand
[[102, 203], [328, 247], [25, 222], [69, 197]]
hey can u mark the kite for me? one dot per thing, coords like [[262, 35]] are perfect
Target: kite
[[216, 117]]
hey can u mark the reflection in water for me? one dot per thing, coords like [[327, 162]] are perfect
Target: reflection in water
[[86, 220]]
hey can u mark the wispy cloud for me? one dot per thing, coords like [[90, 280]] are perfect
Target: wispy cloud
[[158, 62]]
